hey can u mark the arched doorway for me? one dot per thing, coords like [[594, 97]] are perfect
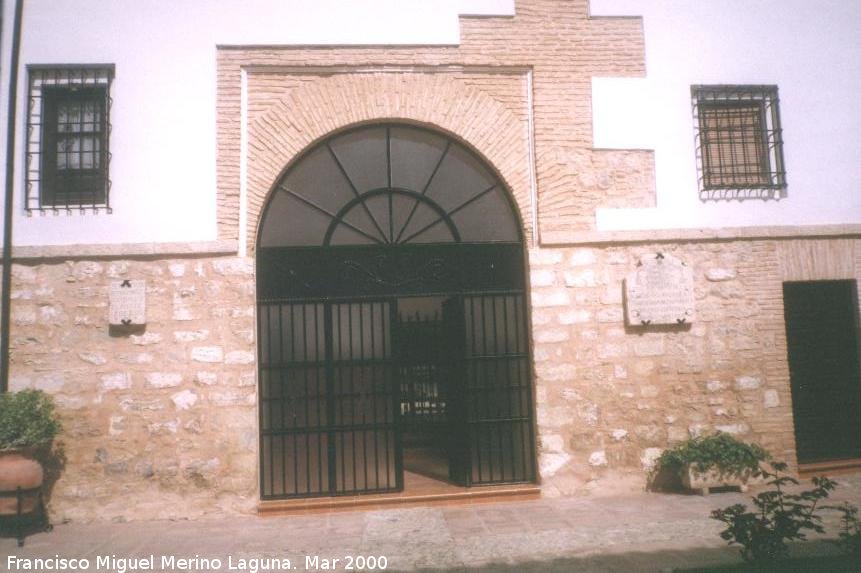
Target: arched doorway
[[391, 319]]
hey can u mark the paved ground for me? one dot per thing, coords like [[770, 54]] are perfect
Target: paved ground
[[646, 532]]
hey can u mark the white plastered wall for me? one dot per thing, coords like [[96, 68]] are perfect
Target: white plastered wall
[[810, 50], [163, 114]]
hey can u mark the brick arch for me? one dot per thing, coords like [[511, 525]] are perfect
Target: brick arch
[[319, 108]]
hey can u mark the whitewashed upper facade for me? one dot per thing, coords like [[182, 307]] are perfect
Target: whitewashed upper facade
[[810, 50], [163, 169]]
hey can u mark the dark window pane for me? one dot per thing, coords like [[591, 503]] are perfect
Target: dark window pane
[[68, 131], [289, 221], [415, 154], [362, 153], [316, 178], [461, 177], [486, 219]]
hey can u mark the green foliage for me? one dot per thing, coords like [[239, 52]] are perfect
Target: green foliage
[[779, 517], [27, 420], [850, 528], [720, 451]]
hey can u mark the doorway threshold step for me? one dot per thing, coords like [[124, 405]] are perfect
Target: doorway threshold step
[[479, 494]]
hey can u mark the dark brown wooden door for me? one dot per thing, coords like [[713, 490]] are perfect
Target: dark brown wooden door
[[822, 333]]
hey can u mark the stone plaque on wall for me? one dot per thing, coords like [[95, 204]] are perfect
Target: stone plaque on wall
[[127, 303], [660, 291]]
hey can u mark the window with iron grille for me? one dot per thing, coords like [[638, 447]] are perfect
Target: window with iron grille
[[739, 142], [68, 135]]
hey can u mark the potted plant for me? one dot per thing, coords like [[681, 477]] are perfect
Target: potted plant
[[28, 425], [718, 460]]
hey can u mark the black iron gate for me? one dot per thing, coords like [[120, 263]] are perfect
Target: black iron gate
[[327, 399], [360, 219], [491, 439], [332, 370]]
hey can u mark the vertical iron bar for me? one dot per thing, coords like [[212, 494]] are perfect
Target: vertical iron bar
[[474, 391], [260, 406], [96, 137], [396, 399], [521, 321], [508, 389], [291, 376], [106, 158], [373, 391], [352, 395], [735, 134], [491, 404], [343, 396], [387, 392], [282, 383], [330, 391], [320, 426], [305, 361], [307, 394], [497, 361], [31, 125], [323, 407], [362, 402], [66, 195], [269, 400]]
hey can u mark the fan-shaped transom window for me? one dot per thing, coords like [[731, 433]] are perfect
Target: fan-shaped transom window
[[388, 184]]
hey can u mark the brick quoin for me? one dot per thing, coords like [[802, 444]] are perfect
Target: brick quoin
[[561, 65]]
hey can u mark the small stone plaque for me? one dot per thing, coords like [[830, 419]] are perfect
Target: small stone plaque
[[661, 291], [127, 303]]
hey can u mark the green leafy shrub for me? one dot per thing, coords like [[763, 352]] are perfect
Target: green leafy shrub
[[719, 451], [27, 420], [850, 528], [779, 517]]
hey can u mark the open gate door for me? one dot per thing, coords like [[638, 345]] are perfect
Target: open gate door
[[327, 399], [491, 439]]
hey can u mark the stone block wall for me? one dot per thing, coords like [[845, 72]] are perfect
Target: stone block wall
[[611, 397], [161, 423]]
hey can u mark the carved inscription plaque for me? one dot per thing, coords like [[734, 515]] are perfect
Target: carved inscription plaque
[[660, 291], [127, 303]]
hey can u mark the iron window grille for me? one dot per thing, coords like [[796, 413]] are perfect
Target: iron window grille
[[68, 138], [739, 142]]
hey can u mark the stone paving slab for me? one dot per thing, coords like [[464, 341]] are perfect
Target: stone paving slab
[[644, 532]]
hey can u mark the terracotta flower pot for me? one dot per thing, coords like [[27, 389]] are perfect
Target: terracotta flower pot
[[19, 469]]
